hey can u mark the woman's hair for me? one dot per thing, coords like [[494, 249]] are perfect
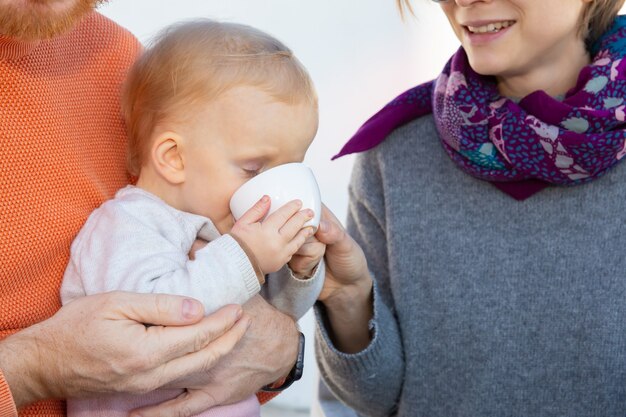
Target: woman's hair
[[404, 4], [596, 19], [191, 63]]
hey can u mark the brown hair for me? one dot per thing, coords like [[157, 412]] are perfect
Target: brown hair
[[596, 19], [191, 63], [404, 5]]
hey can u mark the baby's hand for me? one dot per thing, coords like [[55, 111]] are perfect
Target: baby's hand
[[273, 241], [306, 259]]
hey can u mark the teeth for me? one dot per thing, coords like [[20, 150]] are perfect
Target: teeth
[[491, 27]]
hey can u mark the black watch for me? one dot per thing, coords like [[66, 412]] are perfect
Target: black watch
[[295, 373]]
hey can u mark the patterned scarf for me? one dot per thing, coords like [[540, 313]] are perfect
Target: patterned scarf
[[520, 147]]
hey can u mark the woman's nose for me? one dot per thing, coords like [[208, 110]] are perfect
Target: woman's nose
[[467, 3]]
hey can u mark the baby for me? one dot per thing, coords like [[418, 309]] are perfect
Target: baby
[[208, 106]]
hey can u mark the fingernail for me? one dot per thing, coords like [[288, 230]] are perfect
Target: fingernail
[[310, 214], [265, 199], [248, 324], [191, 308], [238, 313], [323, 226]]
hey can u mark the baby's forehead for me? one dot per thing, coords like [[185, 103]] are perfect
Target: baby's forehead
[[195, 63], [258, 124], [242, 101]]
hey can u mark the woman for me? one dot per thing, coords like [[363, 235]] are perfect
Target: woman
[[488, 205]]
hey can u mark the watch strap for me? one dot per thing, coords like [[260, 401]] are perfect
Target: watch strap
[[295, 373]]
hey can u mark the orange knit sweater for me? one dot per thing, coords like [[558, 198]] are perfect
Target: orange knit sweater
[[62, 153]]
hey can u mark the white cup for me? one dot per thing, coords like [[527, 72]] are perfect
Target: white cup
[[283, 183]]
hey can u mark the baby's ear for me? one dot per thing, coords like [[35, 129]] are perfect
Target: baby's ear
[[167, 157]]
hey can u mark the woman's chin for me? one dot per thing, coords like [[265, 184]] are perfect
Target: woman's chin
[[487, 65]]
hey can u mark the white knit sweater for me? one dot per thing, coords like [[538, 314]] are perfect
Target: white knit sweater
[[136, 242]]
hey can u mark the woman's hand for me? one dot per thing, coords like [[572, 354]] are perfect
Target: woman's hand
[[347, 291], [346, 267], [99, 344]]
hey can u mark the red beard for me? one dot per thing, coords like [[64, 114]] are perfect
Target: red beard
[[31, 20]]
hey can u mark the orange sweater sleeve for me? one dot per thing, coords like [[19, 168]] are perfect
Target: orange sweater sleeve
[[7, 405], [62, 130]]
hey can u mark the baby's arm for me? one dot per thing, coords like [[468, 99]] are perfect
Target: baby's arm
[[277, 240], [146, 251], [293, 295], [296, 287]]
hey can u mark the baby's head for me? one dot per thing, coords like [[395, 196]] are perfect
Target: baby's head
[[208, 106]]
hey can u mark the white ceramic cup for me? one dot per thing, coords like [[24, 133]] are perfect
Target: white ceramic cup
[[283, 183]]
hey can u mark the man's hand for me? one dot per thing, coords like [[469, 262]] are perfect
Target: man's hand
[[275, 239], [266, 353], [99, 344]]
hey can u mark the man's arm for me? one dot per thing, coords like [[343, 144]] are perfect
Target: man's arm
[[266, 353], [99, 344]]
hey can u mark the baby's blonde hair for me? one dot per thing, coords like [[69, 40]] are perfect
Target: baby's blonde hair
[[192, 63]]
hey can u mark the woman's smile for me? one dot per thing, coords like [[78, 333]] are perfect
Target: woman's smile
[[482, 32]]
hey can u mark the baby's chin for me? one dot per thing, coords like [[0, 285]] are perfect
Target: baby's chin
[[225, 226]]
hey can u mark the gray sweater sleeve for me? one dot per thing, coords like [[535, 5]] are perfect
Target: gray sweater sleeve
[[369, 381], [292, 295]]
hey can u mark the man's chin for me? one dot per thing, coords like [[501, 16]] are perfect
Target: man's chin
[[33, 20]]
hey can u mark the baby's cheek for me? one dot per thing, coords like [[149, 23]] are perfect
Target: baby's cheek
[[225, 225]]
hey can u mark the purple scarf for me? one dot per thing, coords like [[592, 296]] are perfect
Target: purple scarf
[[522, 147]]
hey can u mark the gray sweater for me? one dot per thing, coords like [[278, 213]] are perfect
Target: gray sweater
[[483, 306]]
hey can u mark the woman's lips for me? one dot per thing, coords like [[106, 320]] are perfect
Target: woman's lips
[[479, 33]]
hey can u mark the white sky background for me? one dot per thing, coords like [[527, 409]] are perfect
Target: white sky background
[[360, 55], [358, 52]]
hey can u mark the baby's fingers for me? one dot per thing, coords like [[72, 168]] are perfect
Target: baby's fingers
[[277, 219], [256, 212], [312, 249], [296, 243], [296, 223]]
